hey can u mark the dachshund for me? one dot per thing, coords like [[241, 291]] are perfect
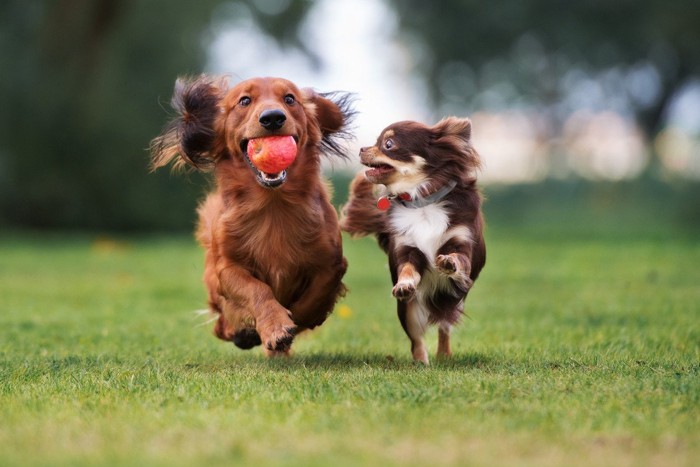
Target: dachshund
[[273, 249]]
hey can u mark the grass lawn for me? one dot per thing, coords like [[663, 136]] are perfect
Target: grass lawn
[[577, 350]]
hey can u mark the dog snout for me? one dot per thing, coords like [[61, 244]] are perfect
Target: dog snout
[[272, 119], [367, 154]]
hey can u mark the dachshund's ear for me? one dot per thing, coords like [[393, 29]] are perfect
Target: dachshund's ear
[[192, 134], [329, 115], [334, 113]]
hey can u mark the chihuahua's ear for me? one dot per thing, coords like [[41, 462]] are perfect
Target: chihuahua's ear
[[192, 134], [333, 113], [453, 128], [454, 135]]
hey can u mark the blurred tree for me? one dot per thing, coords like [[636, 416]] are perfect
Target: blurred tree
[[83, 91], [534, 53], [86, 84]]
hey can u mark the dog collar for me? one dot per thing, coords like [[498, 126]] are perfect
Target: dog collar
[[408, 201]]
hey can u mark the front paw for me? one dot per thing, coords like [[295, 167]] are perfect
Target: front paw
[[404, 290], [280, 340], [276, 330], [446, 264], [449, 266]]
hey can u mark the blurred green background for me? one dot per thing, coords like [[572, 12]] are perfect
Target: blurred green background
[[587, 114]]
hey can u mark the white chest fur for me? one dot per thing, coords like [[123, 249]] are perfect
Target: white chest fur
[[423, 228]]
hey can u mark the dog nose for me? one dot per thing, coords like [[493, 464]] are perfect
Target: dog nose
[[272, 119]]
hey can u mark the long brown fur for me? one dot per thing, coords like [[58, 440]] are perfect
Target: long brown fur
[[273, 255]]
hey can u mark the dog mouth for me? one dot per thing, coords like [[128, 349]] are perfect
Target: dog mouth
[[265, 179], [377, 171]]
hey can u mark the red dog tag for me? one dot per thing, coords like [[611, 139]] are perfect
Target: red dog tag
[[383, 203]]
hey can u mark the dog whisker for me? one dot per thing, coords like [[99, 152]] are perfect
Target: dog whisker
[[202, 312], [209, 321]]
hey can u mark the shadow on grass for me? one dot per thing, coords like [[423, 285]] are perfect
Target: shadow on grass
[[341, 362], [204, 364]]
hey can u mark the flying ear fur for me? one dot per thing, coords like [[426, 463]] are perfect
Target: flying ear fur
[[454, 127], [454, 134], [334, 113], [192, 133]]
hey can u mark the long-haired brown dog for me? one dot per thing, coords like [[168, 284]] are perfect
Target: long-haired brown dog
[[274, 260], [427, 219]]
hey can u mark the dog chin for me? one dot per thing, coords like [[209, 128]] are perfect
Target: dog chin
[[379, 175], [271, 180]]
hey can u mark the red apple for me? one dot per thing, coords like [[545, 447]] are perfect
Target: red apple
[[272, 154]]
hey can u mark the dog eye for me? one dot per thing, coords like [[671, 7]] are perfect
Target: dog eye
[[388, 144], [289, 99], [244, 101]]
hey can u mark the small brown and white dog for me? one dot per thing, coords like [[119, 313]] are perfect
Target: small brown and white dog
[[427, 218]]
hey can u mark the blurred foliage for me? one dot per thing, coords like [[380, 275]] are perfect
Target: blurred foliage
[[86, 84], [533, 46], [85, 88], [578, 208]]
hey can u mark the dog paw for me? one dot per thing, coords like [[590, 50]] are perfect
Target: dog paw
[[449, 266], [420, 355], [404, 290], [281, 339], [246, 338], [446, 264]]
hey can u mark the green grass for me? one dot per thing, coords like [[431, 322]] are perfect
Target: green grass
[[583, 351]]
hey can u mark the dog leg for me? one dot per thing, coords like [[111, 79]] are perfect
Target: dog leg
[[320, 296], [277, 353], [416, 325], [275, 327], [222, 329], [444, 340], [246, 297], [457, 267], [407, 282], [409, 263], [454, 259]]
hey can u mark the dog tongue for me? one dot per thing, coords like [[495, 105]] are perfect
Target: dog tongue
[[272, 154]]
